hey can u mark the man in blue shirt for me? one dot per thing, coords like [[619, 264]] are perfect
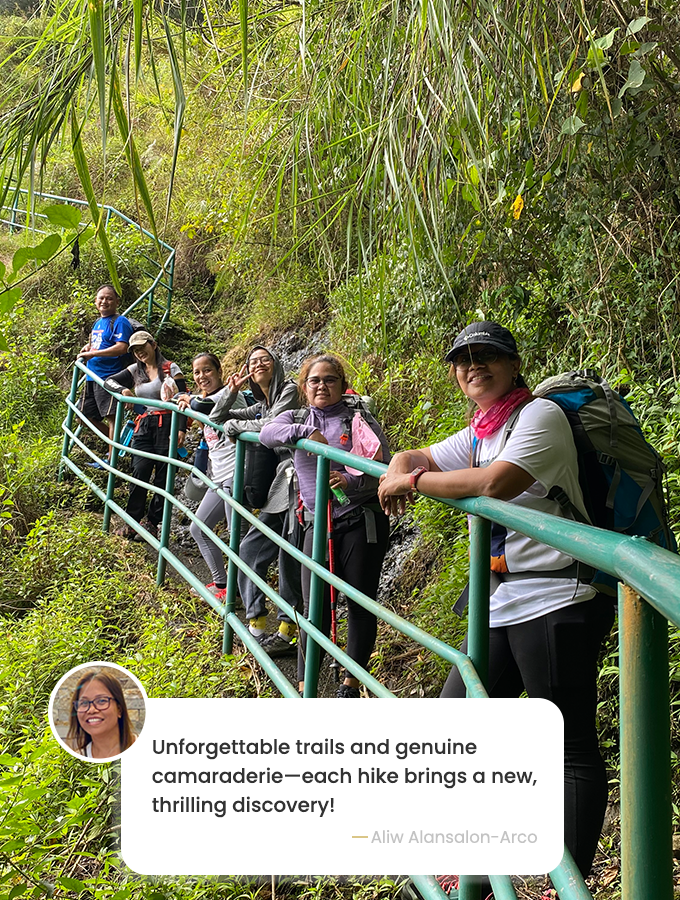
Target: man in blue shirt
[[105, 355]]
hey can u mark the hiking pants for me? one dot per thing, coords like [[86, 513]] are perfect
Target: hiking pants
[[151, 438], [555, 657], [211, 511], [358, 563], [259, 553]]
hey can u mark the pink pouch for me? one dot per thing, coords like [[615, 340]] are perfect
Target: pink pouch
[[364, 442]]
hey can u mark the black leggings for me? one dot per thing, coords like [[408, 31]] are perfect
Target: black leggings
[[153, 436], [358, 563], [555, 657]]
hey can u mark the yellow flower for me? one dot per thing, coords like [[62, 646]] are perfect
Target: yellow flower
[[517, 206]]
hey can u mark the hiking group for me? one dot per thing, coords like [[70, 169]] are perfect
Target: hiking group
[[571, 448]]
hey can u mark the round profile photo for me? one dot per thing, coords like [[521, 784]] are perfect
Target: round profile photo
[[97, 711]]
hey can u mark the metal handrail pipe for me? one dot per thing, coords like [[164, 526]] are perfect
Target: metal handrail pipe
[[451, 655], [618, 555], [503, 888], [262, 657], [267, 663], [651, 570], [375, 686], [568, 880], [120, 447], [430, 887], [103, 206]]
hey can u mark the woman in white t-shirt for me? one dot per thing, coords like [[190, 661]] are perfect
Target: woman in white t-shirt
[[546, 626]]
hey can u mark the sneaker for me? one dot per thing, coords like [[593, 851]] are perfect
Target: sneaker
[[98, 463], [276, 645], [212, 587], [346, 690]]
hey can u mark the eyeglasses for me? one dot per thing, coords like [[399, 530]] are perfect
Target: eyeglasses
[[329, 380], [480, 358], [262, 360], [100, 703]]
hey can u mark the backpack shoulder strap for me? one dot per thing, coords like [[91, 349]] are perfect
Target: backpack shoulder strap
[[512, 421], [300, 415]]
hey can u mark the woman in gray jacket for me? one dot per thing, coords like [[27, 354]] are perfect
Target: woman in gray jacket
[[273, 395]]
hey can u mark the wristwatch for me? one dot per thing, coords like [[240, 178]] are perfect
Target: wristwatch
[[415, 475]]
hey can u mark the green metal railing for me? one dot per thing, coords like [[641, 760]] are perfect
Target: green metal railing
[[18, 216], [646, 571]]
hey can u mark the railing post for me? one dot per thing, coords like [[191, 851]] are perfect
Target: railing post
[[113, 462], [646, 832], [478, 608], [168, 506], [69, 420], [234, 544], [317, 585], [478, 636], [149, 309], [13, 217]]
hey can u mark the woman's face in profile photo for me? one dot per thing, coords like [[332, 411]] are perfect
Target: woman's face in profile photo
[[97, 711]]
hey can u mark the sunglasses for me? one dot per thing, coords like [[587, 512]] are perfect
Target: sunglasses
[[480, 358], [100, 703]]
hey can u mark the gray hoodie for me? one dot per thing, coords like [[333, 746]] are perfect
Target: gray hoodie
[[283, 395]]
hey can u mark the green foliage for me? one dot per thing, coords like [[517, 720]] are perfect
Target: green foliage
[[28, 395], [39, 254], [27, 483]]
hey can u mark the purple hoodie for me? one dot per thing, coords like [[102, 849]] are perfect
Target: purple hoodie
[[333, 422]]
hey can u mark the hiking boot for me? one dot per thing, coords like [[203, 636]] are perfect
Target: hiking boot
[[346, 690], [276, 645], [148, 526]]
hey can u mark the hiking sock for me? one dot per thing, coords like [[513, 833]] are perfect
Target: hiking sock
[[258, 626], [287, 630], [220, 585]]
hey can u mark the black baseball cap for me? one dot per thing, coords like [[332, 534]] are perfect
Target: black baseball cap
[[490, 333]]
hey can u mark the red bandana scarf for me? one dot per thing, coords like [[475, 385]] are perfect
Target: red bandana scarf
[[486, 423]]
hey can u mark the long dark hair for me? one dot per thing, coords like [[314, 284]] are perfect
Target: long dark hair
[[140, 375], [214, 362], [76, 733]]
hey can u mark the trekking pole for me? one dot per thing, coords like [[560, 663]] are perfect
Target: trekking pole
[[335, 665]]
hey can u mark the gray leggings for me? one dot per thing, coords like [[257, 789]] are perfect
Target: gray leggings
[[213, 510]]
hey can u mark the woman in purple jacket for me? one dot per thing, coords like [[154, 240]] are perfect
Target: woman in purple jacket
[[360, 527]]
